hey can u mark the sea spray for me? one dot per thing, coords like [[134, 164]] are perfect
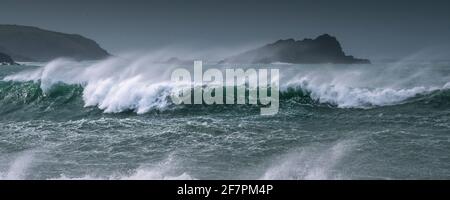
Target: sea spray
[[139, 84], [208, 87], [398, 135]]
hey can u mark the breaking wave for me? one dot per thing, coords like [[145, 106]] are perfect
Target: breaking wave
[[125, 97], [117, 85], [17, 169], [310, 163]]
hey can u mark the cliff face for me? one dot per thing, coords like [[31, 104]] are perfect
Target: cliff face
[[323, 49], [25, 43], [6, 60]]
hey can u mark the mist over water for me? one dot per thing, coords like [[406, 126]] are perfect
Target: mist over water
[[113, 119]]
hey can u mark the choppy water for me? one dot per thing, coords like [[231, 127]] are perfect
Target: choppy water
[[112, 120]]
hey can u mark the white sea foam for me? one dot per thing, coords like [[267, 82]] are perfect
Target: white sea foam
[[447, 85], [349, 97], [114, 84], [139, 83], [18, 167], [139, 174], [311, 163], [164, 170], [155, 174], [366, 86]]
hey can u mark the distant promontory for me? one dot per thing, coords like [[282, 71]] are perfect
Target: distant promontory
[[6, 59], [323, 49], [26, 43]]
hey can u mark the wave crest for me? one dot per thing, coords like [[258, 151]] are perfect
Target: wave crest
[[349, 97], [141, 85]]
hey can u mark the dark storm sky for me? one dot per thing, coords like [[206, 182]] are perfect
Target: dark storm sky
[[372, 29]]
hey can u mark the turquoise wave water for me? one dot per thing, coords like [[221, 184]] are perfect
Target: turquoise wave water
[[59, 126], [27, 101]]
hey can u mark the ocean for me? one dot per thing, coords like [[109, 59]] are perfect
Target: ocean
[[112, 119]]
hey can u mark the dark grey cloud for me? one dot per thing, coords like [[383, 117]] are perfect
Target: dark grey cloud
[[374, 29]]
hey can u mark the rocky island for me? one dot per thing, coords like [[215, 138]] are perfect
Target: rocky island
[[323, 49], [6, 60], [26, 43]]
